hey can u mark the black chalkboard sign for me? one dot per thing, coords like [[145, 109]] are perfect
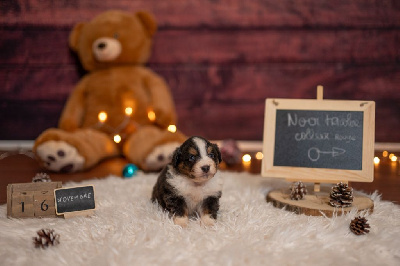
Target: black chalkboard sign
[[74, 199], [319, 140]]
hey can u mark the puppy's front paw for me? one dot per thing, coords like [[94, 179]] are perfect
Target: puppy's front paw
[[59, 156], [181, 221], [206, 220]]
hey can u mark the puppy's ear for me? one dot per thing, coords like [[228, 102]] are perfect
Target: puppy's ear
[[176, 157], [217, 152]]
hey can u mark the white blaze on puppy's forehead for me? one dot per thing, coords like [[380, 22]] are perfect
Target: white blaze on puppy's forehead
[[202, 146], [205, 167]]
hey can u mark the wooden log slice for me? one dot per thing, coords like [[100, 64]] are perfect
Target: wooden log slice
[[317, 203]]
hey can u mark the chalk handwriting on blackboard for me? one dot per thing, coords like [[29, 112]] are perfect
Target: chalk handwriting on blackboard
[[74, 199], [318, 139], [78, 197], [294, 120], [314, 153]]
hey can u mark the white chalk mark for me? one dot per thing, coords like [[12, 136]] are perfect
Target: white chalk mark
[[314, 153]]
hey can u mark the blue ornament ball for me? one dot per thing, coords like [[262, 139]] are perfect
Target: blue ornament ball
[[129, 170]]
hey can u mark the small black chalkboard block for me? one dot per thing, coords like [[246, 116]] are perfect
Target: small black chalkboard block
[[321, 141], [74, 199]]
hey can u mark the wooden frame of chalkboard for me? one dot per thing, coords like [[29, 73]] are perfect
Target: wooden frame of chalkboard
[[77, 200], [321, 141]]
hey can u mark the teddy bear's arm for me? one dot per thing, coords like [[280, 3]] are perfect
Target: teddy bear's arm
[[162, 102], [72, 114]]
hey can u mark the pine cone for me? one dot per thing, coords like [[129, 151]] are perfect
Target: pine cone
[[359, 226], [41, 177], [46, 238], [297, 191], [341, 195]]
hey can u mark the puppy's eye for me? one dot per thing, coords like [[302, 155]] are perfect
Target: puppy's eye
[[211, 155], [192, 158], [116, 36]]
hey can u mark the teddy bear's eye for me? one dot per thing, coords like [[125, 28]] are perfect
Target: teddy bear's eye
[[116, 35]]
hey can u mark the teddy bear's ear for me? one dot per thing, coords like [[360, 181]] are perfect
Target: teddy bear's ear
[[74, 36], [148, 21]]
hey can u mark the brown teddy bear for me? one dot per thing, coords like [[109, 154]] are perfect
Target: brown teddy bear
[[119, 96]]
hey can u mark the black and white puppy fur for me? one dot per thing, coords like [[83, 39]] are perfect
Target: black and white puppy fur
[[190, 185]]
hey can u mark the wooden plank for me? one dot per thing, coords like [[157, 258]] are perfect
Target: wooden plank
[[49, 46], [27, 119], [215, 120], [223, 82], [212, 14], [223, 97], [235, 120], [43, 45], [259, 46], [47, 83], [238, 83]]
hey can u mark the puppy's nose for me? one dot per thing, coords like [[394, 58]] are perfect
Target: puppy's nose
[[205, 168]]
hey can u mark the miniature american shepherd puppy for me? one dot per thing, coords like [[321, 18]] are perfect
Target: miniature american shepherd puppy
[[189, 186]]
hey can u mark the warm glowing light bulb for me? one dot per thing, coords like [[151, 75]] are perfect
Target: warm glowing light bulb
[[394, 158], [391, 156], [117, 138], [128, 111], [259, 155], [385, 154], [376, 160], [172, 128], [102, 117], [151, 115], [246, 158]]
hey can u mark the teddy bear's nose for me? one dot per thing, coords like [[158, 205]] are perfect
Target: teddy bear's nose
[[101, 45]]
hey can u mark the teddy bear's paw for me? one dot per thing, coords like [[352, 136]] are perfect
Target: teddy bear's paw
[[59, 156], [161, 156]]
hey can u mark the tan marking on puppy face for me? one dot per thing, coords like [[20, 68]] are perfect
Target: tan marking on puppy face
[[193, 151], [209, 149], [184, 169]]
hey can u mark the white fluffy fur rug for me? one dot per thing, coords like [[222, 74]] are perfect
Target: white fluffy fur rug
[[128, 229]]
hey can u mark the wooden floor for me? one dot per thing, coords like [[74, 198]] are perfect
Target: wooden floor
[[19, 168]]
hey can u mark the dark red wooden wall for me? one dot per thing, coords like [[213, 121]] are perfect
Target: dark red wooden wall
[[221, 59]]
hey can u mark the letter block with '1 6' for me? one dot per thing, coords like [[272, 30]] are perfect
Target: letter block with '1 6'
[[31, 199]]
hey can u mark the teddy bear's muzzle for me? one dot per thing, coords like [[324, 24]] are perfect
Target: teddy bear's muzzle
[[106, 49]]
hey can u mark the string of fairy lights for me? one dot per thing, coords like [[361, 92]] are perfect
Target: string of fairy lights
[[386, 155], [246, 158], [116, 133]]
